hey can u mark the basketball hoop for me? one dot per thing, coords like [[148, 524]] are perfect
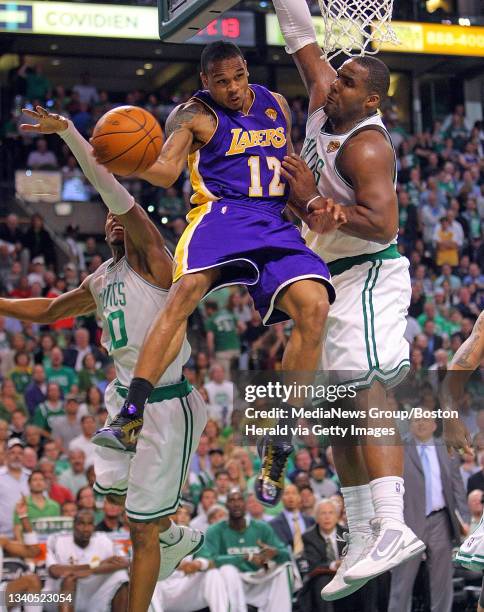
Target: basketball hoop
[[356, 27]]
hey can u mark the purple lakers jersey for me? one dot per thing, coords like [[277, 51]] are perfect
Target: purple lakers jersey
[[242, 161]]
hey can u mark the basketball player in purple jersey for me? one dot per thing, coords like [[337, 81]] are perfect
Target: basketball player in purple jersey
[[235, 136]]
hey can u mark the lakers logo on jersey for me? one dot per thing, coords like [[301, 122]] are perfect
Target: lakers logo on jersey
[[333, 146], [271, 113], [246, 139]]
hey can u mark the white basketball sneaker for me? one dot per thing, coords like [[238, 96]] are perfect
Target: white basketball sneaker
[[357, 545], [394, 543], [471, 552], [173, 553]]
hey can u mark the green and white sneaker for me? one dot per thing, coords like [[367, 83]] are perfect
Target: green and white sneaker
[[172, 553]]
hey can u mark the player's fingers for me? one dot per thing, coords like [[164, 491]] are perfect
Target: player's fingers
[[30, 113], [41, 110], [28, 127], [289, 165], [287, 175]]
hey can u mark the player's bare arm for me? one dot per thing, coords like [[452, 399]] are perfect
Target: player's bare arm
[[48, 310], [17, 549], [188, 127], [144, 243], [298, 30], [288, 115], [467, 358], [367, 163]]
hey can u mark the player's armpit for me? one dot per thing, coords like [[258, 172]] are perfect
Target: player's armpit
[[368, 164], [317, 74]]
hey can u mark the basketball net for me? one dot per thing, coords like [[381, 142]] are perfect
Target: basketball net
[[356, 27]]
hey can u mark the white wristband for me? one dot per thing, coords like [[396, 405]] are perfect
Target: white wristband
[[311, 201], [30, 539], [296, 23], [204, 564]]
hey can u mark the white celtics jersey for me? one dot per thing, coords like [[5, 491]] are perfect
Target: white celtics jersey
[[128, 305], [321, 151]]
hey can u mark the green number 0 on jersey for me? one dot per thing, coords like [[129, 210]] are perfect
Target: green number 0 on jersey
[[117, 329]]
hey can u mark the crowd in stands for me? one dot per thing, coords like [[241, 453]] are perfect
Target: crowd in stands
[[53, 377]]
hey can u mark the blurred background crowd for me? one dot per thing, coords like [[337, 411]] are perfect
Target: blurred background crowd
[[53, 377]]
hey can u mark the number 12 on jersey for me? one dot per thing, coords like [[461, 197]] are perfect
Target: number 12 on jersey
[[276, 188]]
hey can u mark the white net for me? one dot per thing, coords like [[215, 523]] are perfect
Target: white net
[[356, 26]]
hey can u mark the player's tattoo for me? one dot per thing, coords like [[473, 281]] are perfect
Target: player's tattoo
[[473, 348], [285, 108], [184, 114]]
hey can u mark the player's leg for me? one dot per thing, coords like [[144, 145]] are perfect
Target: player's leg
[[306, 302], [68, 588], [161, 346], [146, 561], [119, 603]]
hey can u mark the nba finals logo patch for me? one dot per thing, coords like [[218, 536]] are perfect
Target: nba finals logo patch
[[333, 146], [271, 113]]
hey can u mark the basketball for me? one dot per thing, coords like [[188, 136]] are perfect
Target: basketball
[[127, 140]]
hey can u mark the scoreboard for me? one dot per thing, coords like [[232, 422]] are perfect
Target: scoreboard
[[182, 19]]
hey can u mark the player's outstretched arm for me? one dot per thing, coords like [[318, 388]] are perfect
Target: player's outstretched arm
[[298, 30], [188, 127], [144, 238], [48, 310]]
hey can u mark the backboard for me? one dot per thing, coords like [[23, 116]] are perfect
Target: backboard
[[182, 19]]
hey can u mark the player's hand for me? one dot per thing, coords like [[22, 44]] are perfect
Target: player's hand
[[457, 437], [301, 180], [267, 552], [328, 217], [189, 567], [48, 123]]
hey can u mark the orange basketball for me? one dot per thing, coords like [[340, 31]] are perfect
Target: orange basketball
[[127, 140]]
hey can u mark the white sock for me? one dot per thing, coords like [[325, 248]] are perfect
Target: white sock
[[170, 535], [359, 507], [387, 493]]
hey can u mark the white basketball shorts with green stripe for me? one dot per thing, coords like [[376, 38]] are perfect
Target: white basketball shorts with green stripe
[[364, 338], [153, 478]]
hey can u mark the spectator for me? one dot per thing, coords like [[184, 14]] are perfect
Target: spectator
[[42, 158], [47, 412], [83, 440], [30, 458], [208, 498], [85, 565], [290, 525], [67, 427], [446, 245], [38, 241], [21, 374], [69, 509], [59, 373], [223, 335], [431, 213], [476, 481], [27, 584], [467, 468], [302, 463], [17, 424], [321, 485], [86, 91], [323, 549], [90, 373], [13, 484], [474, 502], [94, 402], [10, 232], [255, 510], [9, 400], [221, 394], [74, 477], [308, 502], [433, 492], [55, 491], [112, 517], [222, 486], [240, 550], [38, 504], [74, 356]]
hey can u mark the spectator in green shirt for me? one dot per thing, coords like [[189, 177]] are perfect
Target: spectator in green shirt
[[21, 374], [9, 400], [57, 372], [37, 504], [51, 409], [223, 340], [251, 558], [90, 374]]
